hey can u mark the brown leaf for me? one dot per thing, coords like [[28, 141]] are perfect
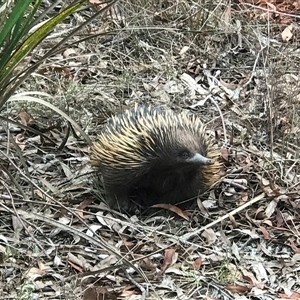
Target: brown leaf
[[26, 119], [148, 264], [98, 293], [20, 141], [224, 153], [293, 246], [237, 288], [294, 295], [168, 259], [251, 279], [265, 233], [34, 273], [127, 245], [173, 208], [83, 205], [75, 262], [279, 219], [64, 71], [128, 291], [197, 263]]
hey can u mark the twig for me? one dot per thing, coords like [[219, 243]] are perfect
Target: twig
[[189, 235], [143, 290], [272, 11], [222, 119], [235, 184], [99, 242]]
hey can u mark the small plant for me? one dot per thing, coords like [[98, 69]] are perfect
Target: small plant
[[20, 34], [25, 291]]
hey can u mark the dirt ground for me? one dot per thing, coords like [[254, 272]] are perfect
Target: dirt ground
[[233, 64]]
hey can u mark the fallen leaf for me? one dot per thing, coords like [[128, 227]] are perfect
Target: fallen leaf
[[81, 207], [169, 258], [148, 264], [128, 291], [197, 263], [265, 233], [209, 235], [251, 279], [20, 141], [75, 262], [98, 293], [293, 295], [293, 246], [224, 153], [287, 34], [237, 288], [34, 273], [183, 50], [25, 117], [173, 208], [69, 52]]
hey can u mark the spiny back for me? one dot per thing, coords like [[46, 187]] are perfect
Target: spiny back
[[146, 143]]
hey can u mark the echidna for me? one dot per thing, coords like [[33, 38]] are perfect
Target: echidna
[[148, 155]]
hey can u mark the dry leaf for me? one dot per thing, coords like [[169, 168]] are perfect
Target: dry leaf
[[197, 263], [271, 208], [81, 207], [17, 226], [20, 141], [237, 288], [128, 291], [183, 50], [226, 17], [209, 235], [148, 264], [293, 246], [287, 34], [75, 262], [173, 208], [98, 293], [169, 259], [293, 295], [251, 279], [26, 119], [224, 153], [265, 233], [69, 52], [34, 273]]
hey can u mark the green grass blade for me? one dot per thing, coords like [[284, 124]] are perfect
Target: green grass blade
[[36, 37], [23, 25], [18, 34], [15, 15]]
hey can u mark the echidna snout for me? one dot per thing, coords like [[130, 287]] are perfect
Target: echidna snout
[[148, 155], [198, 158]]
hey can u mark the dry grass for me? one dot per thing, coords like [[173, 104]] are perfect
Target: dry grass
[[196, 55]]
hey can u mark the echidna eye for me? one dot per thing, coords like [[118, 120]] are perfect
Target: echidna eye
[[185, 155]]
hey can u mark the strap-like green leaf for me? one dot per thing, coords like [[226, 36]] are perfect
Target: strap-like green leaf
[[25, 23], [36, 37], [15, 15], [18, 34]]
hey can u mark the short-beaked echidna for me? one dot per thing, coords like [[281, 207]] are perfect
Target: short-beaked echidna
[[148, 155]]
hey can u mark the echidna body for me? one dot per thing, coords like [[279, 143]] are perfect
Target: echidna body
[[148, 155]]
